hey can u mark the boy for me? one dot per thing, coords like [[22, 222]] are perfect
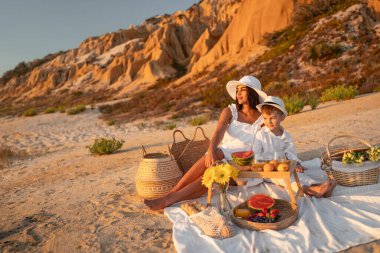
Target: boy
[[273, 142]]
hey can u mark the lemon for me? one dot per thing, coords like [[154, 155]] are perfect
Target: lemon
[[243, 213]]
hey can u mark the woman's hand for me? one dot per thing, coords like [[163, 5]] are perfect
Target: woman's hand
[[210, 158]]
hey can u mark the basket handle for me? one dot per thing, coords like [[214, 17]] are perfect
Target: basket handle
[[345, 136], [192, 140], [178, 131], [195, 133], [143, 150]]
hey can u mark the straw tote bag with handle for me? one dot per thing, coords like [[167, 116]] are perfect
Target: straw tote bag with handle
[[188, 152], [156, 175]]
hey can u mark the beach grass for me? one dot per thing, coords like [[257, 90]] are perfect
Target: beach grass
[[198, 121], [294, 103], [76, 109], [338, 93], [30, 112]]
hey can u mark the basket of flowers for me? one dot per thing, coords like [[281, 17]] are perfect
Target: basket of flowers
[[352, 166]]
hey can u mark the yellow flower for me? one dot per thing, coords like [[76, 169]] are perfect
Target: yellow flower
[[222, 174], [208, 177], [234, 172]]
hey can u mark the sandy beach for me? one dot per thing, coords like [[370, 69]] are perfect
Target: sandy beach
[[63, 199]]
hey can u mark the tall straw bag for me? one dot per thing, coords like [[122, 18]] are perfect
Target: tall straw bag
[[188, 152], [347, 175], [156, 175]]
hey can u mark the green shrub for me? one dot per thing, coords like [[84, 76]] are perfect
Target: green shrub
[[215, 95], [76, 109], [78, 93], [325, 51], [51, 110], [8, 154], [197, 121], [30, 112], [61, 109], [294, 103], [106, 109], [105, 146], [376, 89], [275, 51], [339, 93], [111, 122], [313, 101], [170, 126]]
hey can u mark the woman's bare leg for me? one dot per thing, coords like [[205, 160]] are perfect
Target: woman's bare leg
[[193, 190], [195, 172], [189, 187]]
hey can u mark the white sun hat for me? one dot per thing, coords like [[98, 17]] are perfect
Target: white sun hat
[[275, 102], [249, 81]]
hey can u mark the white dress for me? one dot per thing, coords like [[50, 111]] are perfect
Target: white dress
[[239, 136]]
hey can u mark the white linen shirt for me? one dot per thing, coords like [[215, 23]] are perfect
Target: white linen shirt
[[266, 144]]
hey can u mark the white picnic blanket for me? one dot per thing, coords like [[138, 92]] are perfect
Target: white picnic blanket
[[350, 217]]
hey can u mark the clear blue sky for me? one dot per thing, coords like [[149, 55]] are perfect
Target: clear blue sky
[[31, 29]]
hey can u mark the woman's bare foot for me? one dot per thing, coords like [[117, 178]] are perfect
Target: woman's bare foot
[[156, 204]]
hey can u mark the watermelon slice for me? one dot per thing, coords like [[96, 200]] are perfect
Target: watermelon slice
[[243, 158], [260, 201], [244, 154]]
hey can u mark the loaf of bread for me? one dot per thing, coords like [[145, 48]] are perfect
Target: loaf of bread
[[192, 207]]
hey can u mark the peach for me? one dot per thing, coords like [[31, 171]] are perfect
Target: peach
[[268, 167], [275, 163], [283, 167]]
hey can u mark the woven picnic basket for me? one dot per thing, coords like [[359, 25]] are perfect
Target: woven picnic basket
[[288, 215], [156, 175], [360, 176], [188, 152]]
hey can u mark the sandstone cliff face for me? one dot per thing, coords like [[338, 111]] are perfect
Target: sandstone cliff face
[[129, 60], [253, 19], [206, 36]]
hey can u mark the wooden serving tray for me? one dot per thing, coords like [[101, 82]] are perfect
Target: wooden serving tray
[[288, 213]]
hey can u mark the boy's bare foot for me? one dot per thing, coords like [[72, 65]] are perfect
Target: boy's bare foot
[[155, 204], [333, 184], [317, 190]]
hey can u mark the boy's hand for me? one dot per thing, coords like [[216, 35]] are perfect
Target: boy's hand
[[299, 168]]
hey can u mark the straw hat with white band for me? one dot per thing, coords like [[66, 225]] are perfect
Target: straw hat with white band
[[275, 102]]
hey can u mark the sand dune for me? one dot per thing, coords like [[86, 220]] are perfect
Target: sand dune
[[63, 199]]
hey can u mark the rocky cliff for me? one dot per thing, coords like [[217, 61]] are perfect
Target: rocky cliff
[[190, 50]]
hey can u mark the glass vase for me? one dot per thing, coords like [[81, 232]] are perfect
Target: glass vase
[[224, 204]]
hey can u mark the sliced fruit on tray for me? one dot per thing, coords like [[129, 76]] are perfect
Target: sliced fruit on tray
[[243, 158], [260, 202]]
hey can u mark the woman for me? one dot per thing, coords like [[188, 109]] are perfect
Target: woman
[[235, 131]]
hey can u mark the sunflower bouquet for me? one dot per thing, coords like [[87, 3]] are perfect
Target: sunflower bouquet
[[221, 175]]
